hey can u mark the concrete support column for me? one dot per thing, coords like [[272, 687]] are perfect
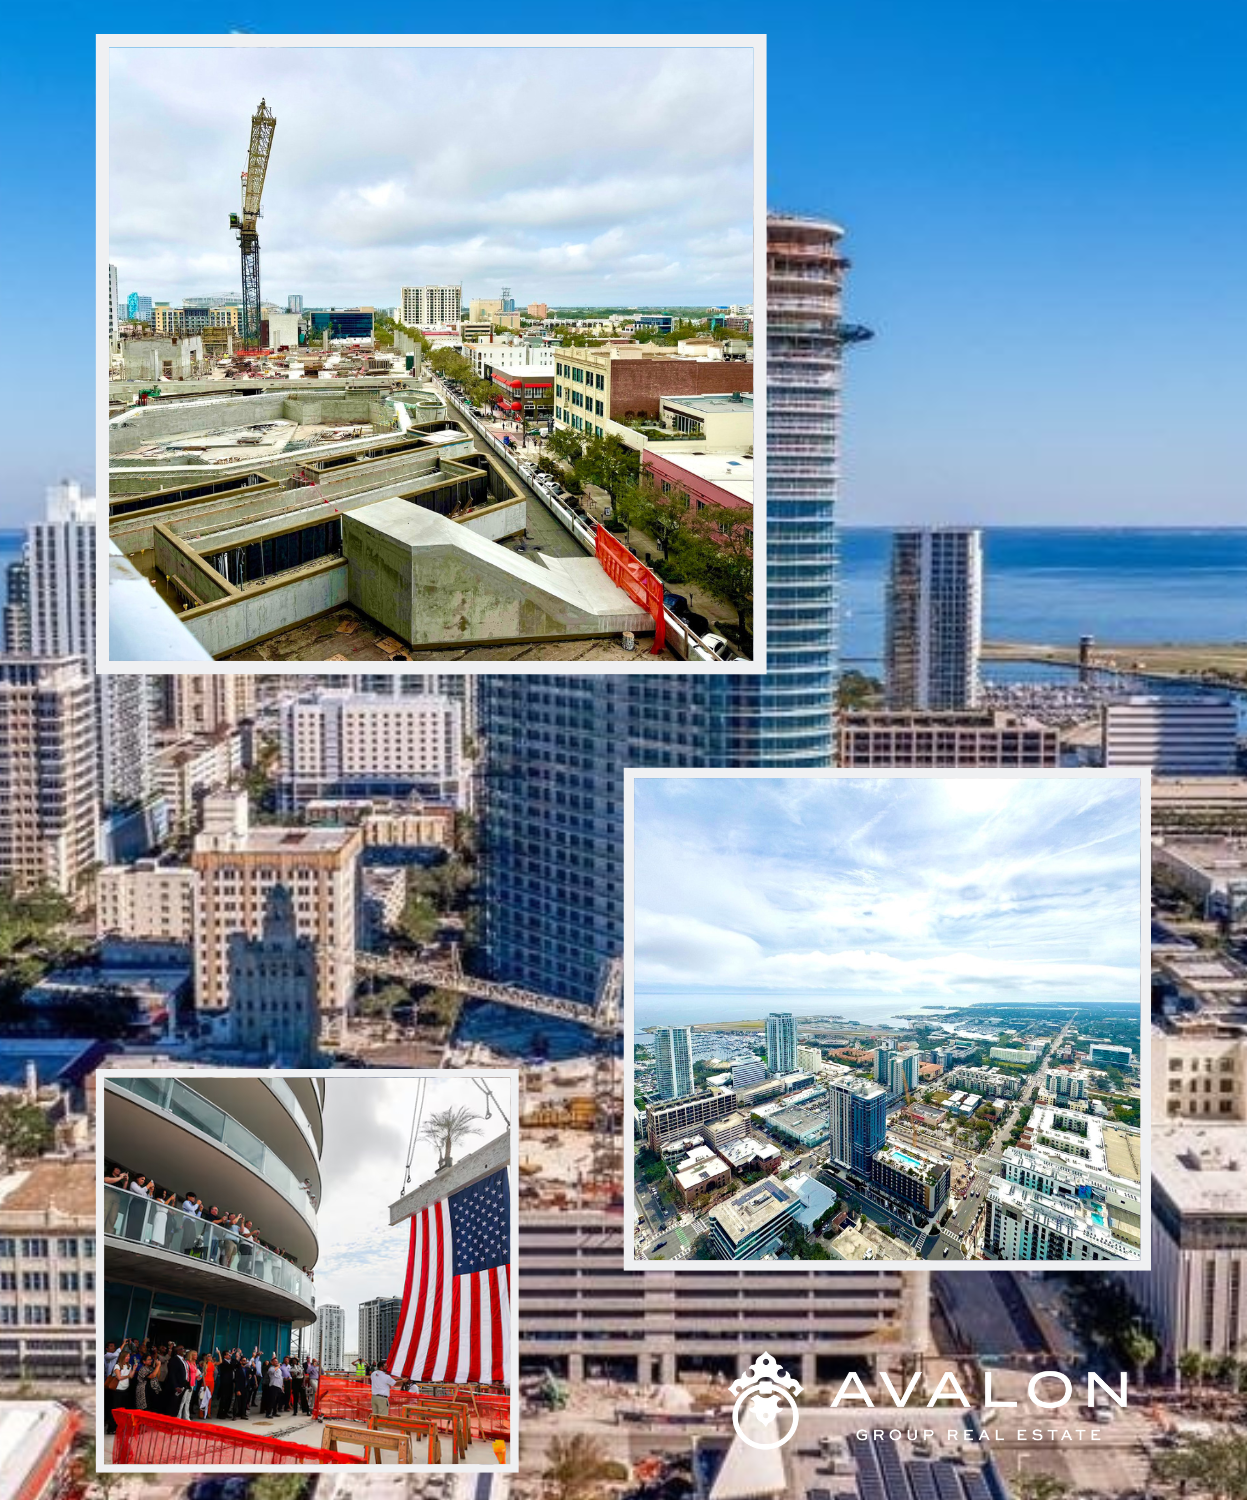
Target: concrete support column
[[575, 1368]]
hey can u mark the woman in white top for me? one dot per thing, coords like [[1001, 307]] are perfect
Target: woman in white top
[[143, 1188], [246, 1246], [120, 1395], [158, 1222]]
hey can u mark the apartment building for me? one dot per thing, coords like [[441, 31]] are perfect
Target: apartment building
[[752, 1221], [934, 619], [859, 1122], [431, 306], [991, 1083], [238, 865], [947, 738], [1066, 1083], [378, 1323], [1023, 1055], [781, 1043], [185, 772], [622, 382], [150, 899], [673, 1057], [47, 1270], [912, 1176], [49, 809], [355, 745], [675, 1118], [809, 1060]]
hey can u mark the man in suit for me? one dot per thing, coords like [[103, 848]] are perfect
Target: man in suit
[[175, 1381]]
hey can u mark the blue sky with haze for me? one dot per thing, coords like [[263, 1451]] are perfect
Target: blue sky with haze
[[825, 893], [1044, 210]]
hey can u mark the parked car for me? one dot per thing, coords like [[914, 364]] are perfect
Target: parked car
[[718, 647], [676, 603]]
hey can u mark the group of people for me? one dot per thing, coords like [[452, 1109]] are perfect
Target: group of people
[[233, 1247], [174, 1381]]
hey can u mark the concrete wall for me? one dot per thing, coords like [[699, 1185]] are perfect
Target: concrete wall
[[156, 422], [176, 560], [497, 521], [434, 582], [260, 612]]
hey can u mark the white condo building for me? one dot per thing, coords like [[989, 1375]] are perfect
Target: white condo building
[[329, 1326], [431, 306], [934, 619], [781, 1043], [673, 1053]]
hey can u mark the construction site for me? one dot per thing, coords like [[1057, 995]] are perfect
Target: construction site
[[368, 516]]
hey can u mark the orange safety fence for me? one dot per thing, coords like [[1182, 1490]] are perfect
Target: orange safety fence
[[153, 1441], [626, 571]]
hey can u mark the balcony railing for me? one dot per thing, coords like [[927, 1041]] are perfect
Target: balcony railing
[[128, 1216], [172, 1097], [289, 1099]]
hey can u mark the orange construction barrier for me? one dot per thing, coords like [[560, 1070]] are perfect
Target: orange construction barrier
[[153, 1441]]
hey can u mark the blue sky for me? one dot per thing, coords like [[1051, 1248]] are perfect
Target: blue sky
[[1044, 208], [834, 893]]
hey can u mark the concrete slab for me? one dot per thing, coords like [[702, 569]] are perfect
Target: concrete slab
[[432, 582]]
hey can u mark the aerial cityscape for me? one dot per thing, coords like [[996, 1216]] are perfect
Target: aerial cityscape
[[1034, 560], [963, 1127], [467, 472]]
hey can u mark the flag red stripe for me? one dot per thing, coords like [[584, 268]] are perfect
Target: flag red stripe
[[402, 1317], [435, 1316], [495, 1324], [452, 1350], [425, 1216]]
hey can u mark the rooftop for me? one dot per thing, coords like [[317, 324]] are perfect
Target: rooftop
[[56, 1184], [753, 1208], [1202, 1169], [728, 471]]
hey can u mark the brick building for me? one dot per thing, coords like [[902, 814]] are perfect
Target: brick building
[[621, 383]]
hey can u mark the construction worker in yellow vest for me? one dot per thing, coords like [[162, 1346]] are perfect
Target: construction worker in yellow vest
[[360, 1372]]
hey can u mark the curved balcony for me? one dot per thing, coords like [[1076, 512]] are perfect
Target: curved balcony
[[210, 1152], [267, 1107], [153, 1245]]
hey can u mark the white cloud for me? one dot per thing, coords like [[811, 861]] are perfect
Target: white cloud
[[571, 174]]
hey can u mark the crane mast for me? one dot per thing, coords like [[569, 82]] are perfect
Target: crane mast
[[263, 123]]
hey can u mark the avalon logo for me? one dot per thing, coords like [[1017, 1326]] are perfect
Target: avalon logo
[[758, 1393]]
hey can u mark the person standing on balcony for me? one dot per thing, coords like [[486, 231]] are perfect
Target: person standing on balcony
[[225, 1388]]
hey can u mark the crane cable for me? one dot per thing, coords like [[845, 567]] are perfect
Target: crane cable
[[484, 1087], [417, 1114]]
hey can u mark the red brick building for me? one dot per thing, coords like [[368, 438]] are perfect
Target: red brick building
[[626, 382]]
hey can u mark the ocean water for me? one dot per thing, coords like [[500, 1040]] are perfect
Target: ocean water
[[1051, 586]]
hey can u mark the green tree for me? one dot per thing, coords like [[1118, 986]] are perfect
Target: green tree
[[564, 443], [448, 1128], [609, 464], [419, 921], [1138, 1348], [442, 1008], [576, 1467], [278, 1487], [24, 1129]]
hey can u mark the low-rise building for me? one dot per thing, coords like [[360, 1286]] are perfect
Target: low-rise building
[[48, 1270], [1023, 1055], [723, 423], [715, 480], [1200, 1075], [150, 899], [946, 738], [702, 1179], [1109, 1055], [624, 382], [1173, 736], [750, 1223], [721, 1133]]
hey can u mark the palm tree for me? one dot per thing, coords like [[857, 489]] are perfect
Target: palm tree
[[1191, 1366], [575, 1467], [446, 1128], [1138, 1348]]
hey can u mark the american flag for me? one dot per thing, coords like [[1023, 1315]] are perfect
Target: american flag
[[455, 1323]]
